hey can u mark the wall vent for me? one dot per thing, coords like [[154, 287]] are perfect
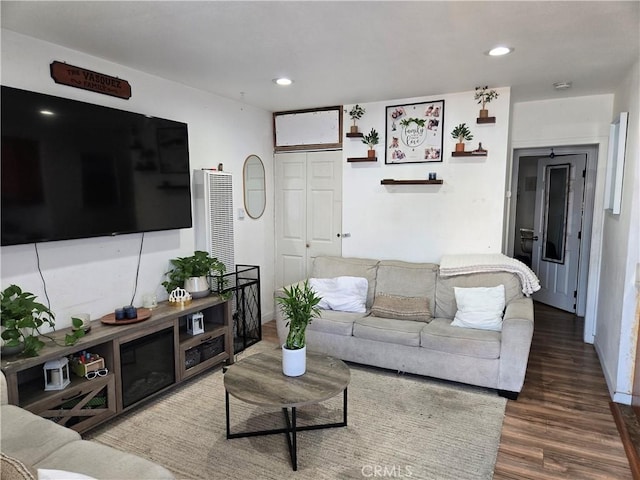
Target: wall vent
[[214, 215]]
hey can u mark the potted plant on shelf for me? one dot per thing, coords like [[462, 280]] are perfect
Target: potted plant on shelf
[[299, 306], [483, 96], [356, 114], [462, 134], [372, 140], [21, 318], [191, 273]]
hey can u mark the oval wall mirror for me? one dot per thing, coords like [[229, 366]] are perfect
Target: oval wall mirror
[[254, 186]]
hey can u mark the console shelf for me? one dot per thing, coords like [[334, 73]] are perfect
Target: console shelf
[[86, 403]]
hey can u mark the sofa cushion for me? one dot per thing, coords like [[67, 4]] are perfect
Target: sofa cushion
[[445, 305], [407, 279], [401, 308], [338, 323], [440, 336], [479, 307], [30, 438], [101, 461], [13, 469], [388, 330], [329, 267], [344, 294]]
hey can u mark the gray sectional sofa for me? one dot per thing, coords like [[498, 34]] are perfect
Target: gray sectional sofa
[[487, 358], [30, 442]]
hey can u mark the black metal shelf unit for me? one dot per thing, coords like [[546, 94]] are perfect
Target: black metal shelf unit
[[244, 287]]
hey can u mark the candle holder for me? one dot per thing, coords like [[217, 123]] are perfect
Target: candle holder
[[56, 374]]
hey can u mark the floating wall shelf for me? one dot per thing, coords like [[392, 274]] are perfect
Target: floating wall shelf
[[355, 135], [391, 181], [362, 159], [468, 154], [486, 120]]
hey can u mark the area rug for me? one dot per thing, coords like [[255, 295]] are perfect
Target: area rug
[[399, 426]]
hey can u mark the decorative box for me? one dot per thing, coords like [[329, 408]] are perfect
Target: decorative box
[[81, 369]]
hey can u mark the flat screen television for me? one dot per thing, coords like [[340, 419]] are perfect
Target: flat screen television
[[75, 170]]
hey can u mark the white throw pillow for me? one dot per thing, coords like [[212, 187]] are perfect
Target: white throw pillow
[[345, 294], [48, 474], [480, 307]]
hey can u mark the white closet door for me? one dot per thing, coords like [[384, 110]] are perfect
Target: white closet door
[[308, 211]]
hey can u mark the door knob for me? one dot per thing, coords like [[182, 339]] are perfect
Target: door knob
[[307, 245]]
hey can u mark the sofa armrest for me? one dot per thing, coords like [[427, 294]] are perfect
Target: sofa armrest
[[4, 392], [517, 333]]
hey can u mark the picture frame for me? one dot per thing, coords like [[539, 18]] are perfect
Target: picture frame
[[413, 133], [615, 164]]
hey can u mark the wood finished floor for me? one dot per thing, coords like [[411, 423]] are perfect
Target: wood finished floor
[[561, 426]]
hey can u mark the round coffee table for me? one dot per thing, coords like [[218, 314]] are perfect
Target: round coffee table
[[259, 380]]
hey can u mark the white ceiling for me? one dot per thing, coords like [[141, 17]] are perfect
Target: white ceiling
[[348, 52]]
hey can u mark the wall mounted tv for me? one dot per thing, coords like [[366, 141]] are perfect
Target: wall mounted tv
[[75, 170]]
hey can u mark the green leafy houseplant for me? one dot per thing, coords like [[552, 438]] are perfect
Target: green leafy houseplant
[[484, 95], [371, 139], [356, 113], [197, 265], [462, 133], [300, 306], [21, 316]]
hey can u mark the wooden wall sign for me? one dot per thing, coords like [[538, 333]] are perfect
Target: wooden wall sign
[[66, 74]]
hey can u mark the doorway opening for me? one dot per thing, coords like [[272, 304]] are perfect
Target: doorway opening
[[551, 218]]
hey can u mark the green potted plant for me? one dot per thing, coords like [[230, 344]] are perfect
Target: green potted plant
[[483, 95], [299, 305], [356, 114], [372, 140], [462, 134], [21, 318], [191, 273]]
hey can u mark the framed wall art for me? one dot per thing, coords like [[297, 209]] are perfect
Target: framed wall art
[[615, 164], [414, 132]]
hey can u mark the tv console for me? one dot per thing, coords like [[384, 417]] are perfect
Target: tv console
[[143, 359]]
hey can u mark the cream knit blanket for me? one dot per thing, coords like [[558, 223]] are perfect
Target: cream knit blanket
[[451, 265]]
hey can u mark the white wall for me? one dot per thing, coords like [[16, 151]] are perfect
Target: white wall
[[97, 275], [421, 223], [616, 333]]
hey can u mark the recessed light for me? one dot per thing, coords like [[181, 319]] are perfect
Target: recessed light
[[46, 112], [562, 85], [499, 51], [282, 81]]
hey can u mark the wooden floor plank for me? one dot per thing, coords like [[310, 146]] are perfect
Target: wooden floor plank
[[561, 426]]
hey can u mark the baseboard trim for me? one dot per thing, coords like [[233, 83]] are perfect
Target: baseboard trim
[[632, 453]]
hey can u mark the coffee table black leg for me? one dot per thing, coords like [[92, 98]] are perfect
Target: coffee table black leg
[[291, 430], [226, 404], [344, 407], [292, 439]]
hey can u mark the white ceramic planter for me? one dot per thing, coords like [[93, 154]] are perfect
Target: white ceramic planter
[[197, 286], [294, 362]]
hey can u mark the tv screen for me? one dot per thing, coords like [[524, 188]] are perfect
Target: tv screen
[[75, 170]]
